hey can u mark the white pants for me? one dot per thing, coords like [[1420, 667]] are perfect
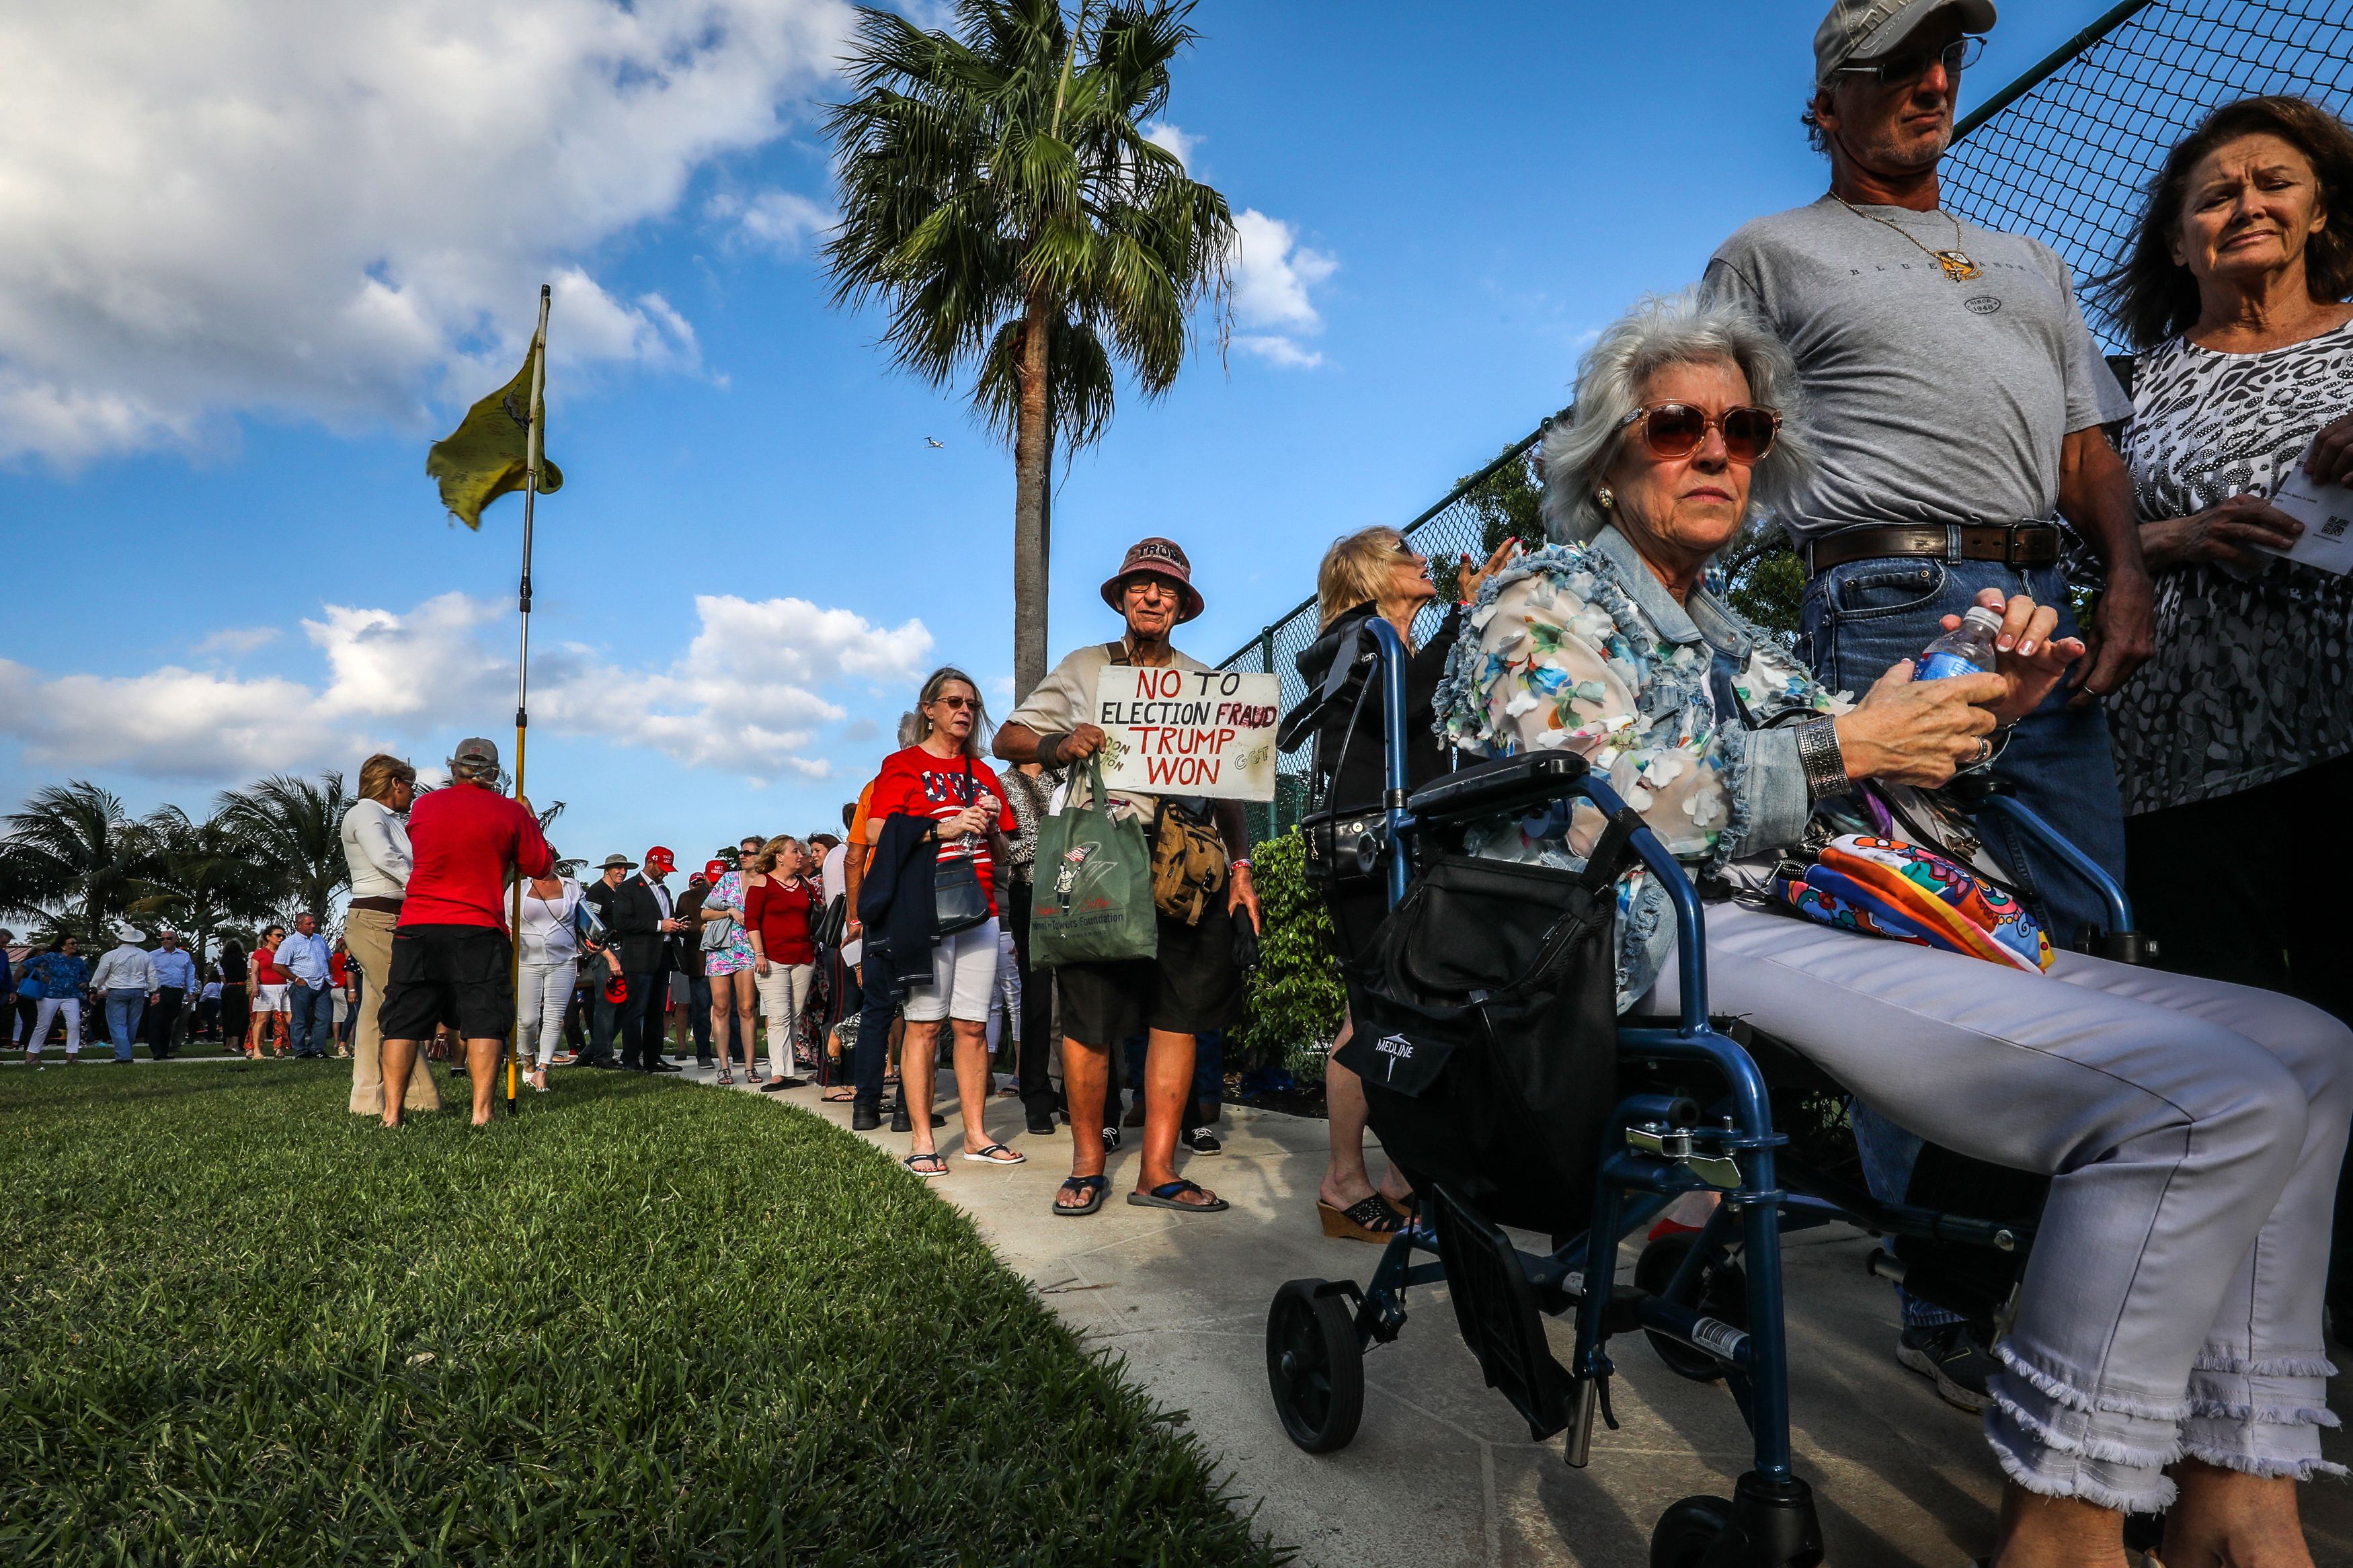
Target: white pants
[[964, 972], [2192, 1131], [542, 991], [783, 994], [46, 1015]]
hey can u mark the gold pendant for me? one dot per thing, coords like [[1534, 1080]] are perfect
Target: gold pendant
[[1956, 265]]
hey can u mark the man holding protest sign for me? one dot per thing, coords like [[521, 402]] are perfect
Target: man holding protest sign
[[1165, 720]]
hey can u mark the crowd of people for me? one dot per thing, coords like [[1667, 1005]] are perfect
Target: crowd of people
[[1917, 401]]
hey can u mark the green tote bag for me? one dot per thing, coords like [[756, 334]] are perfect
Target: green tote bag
[[1091, 899]]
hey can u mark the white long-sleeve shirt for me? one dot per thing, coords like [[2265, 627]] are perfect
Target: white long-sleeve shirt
[[125, 968], [376, 846]]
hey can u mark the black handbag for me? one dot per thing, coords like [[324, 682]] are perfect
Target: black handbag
[[1486, 1031], [958, 899]]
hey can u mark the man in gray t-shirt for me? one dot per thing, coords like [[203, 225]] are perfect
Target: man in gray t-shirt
[[1957, 399]]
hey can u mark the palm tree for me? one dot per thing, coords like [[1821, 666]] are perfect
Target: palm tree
[[75, 852], [997, 192], [198, 877], [292, 830]]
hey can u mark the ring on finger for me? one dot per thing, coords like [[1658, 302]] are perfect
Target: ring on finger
[[1985, 750]]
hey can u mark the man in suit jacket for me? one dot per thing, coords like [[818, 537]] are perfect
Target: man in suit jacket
[[633, 930], [668, 959], [695, 1011]]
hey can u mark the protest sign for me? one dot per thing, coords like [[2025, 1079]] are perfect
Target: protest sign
[[1188, 731]]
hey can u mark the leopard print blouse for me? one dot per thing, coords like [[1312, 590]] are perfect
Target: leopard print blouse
[[2251, 681]]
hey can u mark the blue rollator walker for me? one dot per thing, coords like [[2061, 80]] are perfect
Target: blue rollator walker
[[1694, 1114]]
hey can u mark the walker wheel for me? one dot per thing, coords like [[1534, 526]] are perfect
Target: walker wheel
[[1315, 1366], [1722, 1295], [1687, 1534]]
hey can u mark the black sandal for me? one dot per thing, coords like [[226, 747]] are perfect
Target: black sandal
[[1165, 1196], [938, 1160], [1092, 1185]]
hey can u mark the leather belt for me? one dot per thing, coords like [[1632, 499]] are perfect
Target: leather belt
[[380, 903], [2023, 545]]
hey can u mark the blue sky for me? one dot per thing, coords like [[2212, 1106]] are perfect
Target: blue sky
[[252, 275]]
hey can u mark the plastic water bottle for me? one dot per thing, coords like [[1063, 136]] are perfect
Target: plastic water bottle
[[1967, 650]]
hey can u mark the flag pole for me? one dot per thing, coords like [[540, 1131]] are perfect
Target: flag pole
[[523, 667]]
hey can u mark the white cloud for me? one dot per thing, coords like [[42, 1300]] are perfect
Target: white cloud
[[238, 639], [340, 210], [778, 220], [1178, 145], [1273, 274], [1278, 351], [751, 695]]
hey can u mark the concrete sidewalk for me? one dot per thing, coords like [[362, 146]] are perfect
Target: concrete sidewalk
[[1443, 1472]]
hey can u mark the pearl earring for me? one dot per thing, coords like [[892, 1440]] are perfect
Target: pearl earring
[[1606, 497]]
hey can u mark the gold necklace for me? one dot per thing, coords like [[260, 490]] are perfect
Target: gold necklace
[[1956, 261]]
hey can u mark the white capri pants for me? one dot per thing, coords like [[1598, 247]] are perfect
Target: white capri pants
[[46, 1013], [783, 994], [964, 972], [2192, 1131], [543, 993]]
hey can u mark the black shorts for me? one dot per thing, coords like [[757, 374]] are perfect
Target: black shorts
[[1193, 986], [457, 975]]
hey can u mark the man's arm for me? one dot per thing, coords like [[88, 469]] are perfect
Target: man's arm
[[1234, 828], [2096, 498]]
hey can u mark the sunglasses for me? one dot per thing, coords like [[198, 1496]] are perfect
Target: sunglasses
[[1903, 70], [956, 704], [1676, 429]]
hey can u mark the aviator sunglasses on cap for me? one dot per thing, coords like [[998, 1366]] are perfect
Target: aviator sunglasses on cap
[[1676, 429]]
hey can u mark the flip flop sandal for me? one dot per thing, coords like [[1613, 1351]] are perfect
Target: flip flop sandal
[[1164, 1197], [935, 1160], [1092, 1185], [725, 1077], [988, 1156], [841, 1098]]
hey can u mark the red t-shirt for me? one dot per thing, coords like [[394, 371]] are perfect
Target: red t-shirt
[[464, 837], [339, 969], [781, 916], [921, 785], [266, 973]]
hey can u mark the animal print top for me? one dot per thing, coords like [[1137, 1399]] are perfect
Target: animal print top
[[2253, 680]]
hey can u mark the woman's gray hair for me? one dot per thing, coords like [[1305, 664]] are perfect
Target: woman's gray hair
[[937, 681], [1660, 332]]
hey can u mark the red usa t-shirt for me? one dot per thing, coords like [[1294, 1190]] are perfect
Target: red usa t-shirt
[[921, 785]]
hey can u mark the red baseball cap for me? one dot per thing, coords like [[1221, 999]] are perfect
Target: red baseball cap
[[617, 988], [714, 870], [659, 857]]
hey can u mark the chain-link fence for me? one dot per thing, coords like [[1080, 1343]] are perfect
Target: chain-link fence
[[1461, 523], [2063, 153]]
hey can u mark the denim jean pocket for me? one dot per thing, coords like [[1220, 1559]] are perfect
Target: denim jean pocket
[[1869, 590]]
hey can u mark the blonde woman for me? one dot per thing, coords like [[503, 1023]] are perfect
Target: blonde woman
[[781, 906], [374, 834], [1373, 573]]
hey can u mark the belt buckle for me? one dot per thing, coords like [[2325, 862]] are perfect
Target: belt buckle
[[2010, 554]]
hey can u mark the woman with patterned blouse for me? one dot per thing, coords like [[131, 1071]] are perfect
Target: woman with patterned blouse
[[2235, 292], [2191, 1129], [2243, 723]]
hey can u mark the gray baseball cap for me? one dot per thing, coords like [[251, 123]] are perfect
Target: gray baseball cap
[[1866, 30], [477, 753]]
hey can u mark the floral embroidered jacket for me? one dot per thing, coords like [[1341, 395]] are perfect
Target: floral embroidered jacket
[[1685, 708]]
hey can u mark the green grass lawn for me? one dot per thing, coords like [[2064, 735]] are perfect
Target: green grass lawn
[[645, 1323]]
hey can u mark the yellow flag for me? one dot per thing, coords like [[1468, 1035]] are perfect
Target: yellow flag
[[485, 456]]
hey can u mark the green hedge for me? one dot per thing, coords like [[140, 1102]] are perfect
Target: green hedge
[[1296, 1000]]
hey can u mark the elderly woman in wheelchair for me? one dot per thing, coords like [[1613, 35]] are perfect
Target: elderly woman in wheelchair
[[2166, 1346]]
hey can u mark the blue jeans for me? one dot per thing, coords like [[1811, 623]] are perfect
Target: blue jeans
[[123, 1009], [311, 1020], [1861, 618]]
